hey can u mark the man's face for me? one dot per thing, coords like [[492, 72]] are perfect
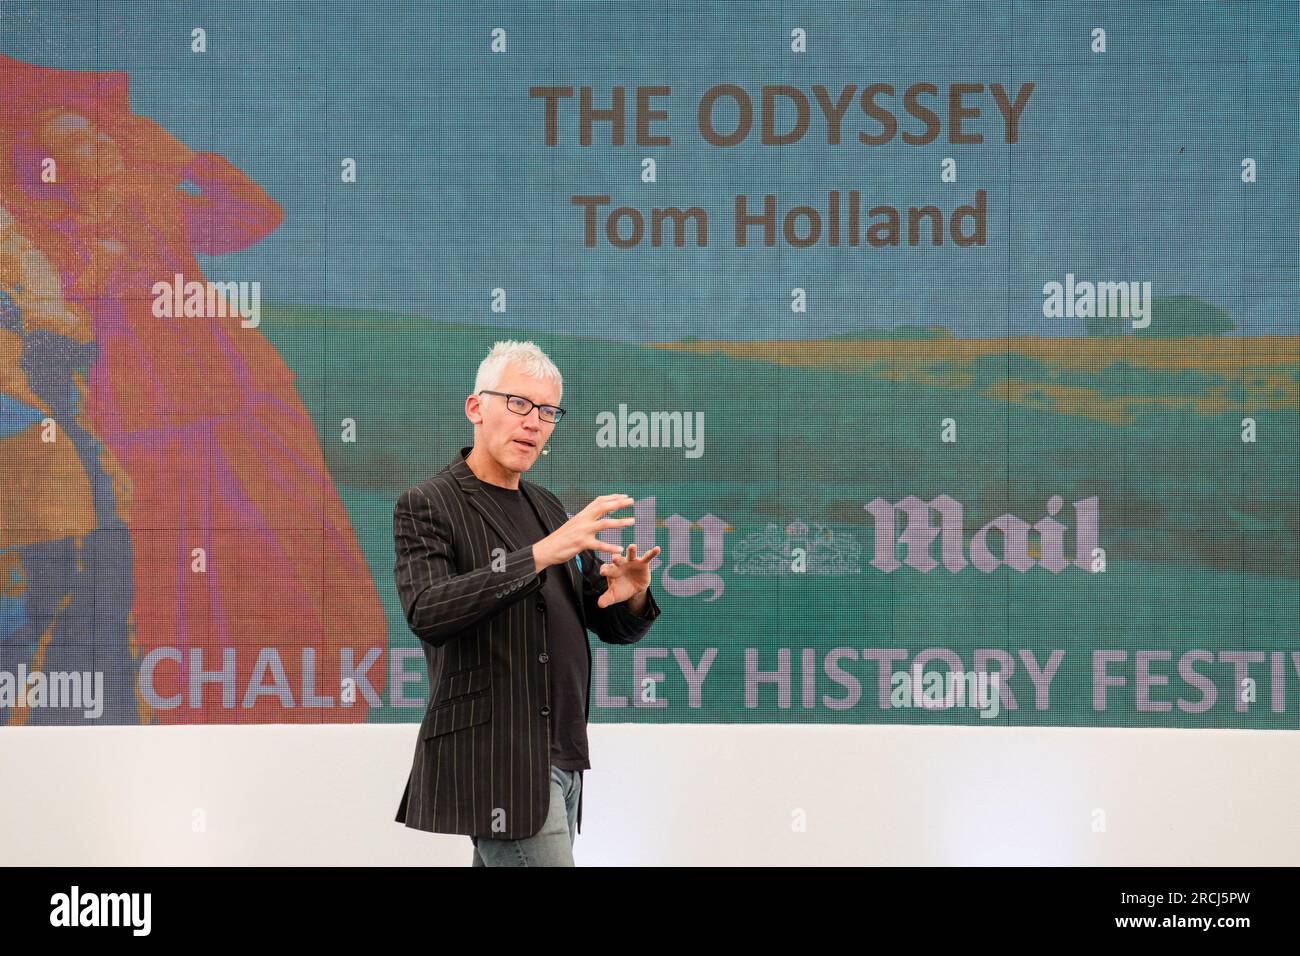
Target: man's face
[[503, 433]]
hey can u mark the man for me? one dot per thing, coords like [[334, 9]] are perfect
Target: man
[[501, 586]]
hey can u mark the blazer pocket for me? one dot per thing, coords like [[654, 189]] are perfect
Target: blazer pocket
[[457, 714], [463, 682]]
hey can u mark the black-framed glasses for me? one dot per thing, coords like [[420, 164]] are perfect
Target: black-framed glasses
[[522, 406]]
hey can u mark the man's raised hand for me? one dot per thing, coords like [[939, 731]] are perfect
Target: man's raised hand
[[579, 532], [626, 576]]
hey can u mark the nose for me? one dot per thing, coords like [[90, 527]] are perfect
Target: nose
[[537, 422]]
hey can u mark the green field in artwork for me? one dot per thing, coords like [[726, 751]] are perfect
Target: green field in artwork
[[1200, 530]]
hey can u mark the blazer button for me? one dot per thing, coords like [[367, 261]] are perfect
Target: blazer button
[[541, 605], [546, 711], [543, 657]]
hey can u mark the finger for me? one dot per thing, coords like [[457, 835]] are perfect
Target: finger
[[606, 503], [651, 553], [596, 544]]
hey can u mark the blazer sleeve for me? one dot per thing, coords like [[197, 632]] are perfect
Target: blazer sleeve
[[614, 624], [438, 603]]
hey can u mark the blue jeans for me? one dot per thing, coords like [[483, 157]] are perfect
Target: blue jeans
[[552, 845]]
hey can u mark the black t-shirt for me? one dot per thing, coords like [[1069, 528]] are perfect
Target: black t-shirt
[[569, 667]]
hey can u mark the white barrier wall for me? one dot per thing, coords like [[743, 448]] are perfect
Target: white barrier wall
[[664, 795]]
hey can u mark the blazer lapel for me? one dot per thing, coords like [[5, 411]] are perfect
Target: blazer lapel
[[468, 482]]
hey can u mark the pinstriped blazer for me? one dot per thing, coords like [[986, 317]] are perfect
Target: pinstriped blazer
[[471, 593]]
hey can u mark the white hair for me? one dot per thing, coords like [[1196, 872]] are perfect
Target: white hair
[[531, 360]]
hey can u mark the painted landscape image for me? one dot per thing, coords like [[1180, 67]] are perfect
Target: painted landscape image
[[248, 270]]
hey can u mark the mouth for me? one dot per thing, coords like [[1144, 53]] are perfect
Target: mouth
[[524, 443]]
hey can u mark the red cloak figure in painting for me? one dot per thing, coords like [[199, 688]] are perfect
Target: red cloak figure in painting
[[252, 602]]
